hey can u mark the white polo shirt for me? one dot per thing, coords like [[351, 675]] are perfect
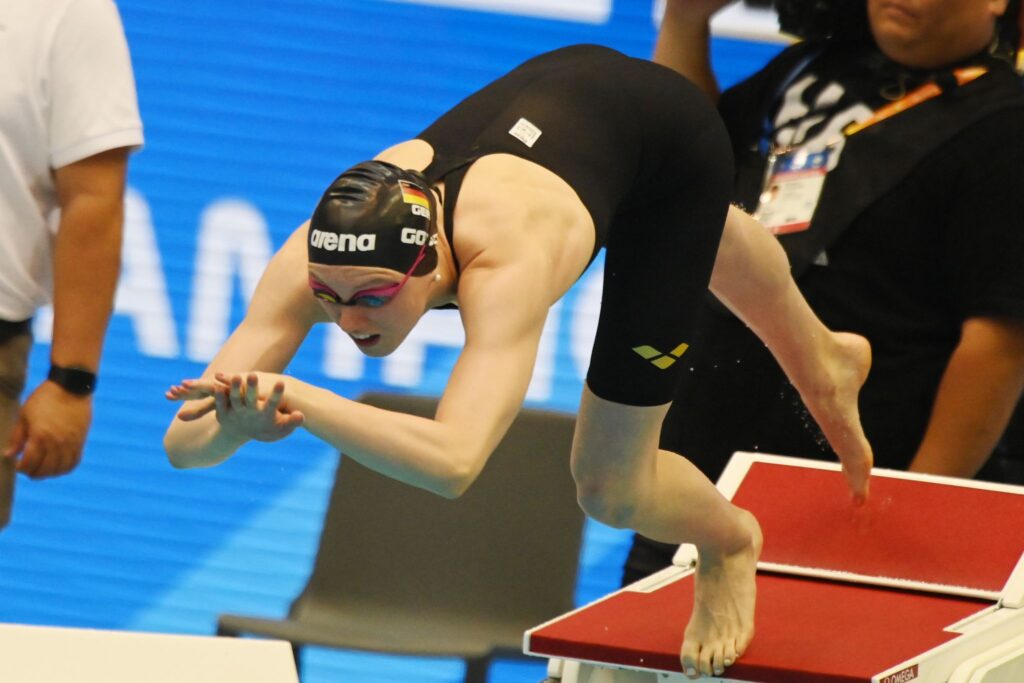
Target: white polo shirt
[[66, 93]]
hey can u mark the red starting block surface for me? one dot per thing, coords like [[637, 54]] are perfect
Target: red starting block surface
[[923, 583], [936, 534]]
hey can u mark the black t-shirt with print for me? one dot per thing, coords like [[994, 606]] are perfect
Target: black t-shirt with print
[[926, 242]]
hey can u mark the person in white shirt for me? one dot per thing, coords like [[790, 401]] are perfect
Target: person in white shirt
[[68, 120]]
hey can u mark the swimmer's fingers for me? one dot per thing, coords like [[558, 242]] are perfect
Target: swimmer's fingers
[[236, 393], [274, 400], [191, 389], [278, 419], [242, 390], [196, 409], [287, 423], [222, 404], [251, 395]]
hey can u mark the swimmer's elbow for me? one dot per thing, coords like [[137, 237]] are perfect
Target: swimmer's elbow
[[188, 461], [174, 454], [178, 458], [181, 457], [458, 476], [453, 485], [195, 444], [451, 490], [180, 463]]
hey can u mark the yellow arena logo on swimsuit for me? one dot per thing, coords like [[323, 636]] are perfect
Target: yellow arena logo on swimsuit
[[658, 359]]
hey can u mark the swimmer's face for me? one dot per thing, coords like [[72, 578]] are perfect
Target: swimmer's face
[[375, 307]]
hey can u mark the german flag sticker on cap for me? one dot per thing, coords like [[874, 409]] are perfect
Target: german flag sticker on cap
[[413, 195]]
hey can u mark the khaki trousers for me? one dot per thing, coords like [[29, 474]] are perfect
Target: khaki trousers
[[13, 367]]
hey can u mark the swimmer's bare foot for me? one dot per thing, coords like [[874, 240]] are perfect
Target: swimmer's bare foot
[[831, 399], [722, 622]]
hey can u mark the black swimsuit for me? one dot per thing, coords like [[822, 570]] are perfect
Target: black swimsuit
[[648, 156]]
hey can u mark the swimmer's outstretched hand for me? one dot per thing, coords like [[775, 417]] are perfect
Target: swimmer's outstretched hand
[[238, 404]]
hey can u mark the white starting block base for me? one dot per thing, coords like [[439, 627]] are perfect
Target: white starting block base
[[1001, 665], [40, 654], [923, 584]]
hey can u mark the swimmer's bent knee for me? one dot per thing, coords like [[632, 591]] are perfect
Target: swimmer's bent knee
[[605, 504]]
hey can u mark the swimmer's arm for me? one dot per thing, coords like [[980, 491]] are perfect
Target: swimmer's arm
[[279, 317], [503, 311]]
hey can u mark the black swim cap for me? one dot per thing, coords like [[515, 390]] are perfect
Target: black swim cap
[[375, 214]]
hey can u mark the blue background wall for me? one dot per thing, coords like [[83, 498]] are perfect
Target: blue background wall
[[250, 109]]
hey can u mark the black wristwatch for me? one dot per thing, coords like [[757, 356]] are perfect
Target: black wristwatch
[[74, 380]]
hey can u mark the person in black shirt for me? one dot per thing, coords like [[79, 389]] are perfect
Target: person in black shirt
[[897, 155]]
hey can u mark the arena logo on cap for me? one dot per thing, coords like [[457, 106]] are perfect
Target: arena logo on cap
[[332, 241]]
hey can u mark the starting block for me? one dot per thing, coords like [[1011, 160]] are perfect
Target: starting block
[[45, 654], [923, 583]]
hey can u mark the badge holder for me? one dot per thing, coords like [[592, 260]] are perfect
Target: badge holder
[[793, 183]]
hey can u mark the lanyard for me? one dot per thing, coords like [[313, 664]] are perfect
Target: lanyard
[[914, 98], [767, 128]]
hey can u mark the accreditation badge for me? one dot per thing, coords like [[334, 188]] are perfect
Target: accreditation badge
[[793, 184]]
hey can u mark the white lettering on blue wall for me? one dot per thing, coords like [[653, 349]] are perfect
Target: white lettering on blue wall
[[233, 240], [583, 11]]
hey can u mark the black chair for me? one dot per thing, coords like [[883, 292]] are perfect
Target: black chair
[[401, 570]]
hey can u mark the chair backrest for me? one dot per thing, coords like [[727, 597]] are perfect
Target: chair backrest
[[507, 549]]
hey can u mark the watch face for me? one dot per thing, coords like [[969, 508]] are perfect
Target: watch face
[[74, 380]]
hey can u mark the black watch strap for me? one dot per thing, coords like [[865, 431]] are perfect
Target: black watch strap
[[74, 380]]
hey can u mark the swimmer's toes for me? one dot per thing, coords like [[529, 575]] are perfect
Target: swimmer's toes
[[690, 658]]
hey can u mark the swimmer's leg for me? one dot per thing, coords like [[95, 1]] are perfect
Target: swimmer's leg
[[625, 481], [751, 276]]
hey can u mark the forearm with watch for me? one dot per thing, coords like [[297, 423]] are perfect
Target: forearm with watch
[[87, 260], [79, 381]]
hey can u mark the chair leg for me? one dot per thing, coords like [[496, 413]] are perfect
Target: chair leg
[[297, 654], [476, 669], [226, 632]]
